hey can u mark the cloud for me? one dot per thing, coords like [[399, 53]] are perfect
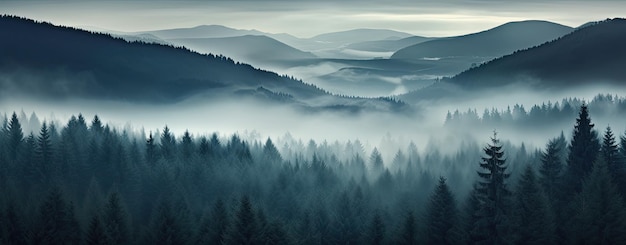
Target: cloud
[[307, 18]]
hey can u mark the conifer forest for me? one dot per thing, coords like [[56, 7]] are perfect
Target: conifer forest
[[85, 182]]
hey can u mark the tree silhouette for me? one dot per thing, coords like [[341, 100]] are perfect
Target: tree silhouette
[[583, 150], [531, 214], [493, 195], [441, 216]]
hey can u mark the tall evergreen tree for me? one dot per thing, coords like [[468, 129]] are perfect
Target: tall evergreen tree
[[598, 211], [95, 232], [16, 137], [611, 156], [214, 226], [166, 227], [187, 145], [376, 161], [550, 170], [441, 215], [168, 144], [115, 221], [493, 194], [43, 153], [583, 151], [57, 224], [532, 218], [408, 231], [245, 228], [270, 152], [151, 151], [376, 231]]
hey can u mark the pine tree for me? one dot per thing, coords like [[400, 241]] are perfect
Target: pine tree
[[493, 194], [187, 145], [597, 212], [550, 170], [270, 153], [245, 228], [611, 156], [408, 230], [376, 231], [16, 137], [115, 221], [583, 150], [441, 215], [43, 153], [376, 161], [532, 218], [214, 226], [166, 227], [95, 232], [57, 222], [168, 144], [151, 152]]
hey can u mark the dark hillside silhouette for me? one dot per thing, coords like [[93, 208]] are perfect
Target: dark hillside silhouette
[[84, 64]]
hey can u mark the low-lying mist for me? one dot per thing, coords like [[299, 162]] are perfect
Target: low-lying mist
[[256, 121]]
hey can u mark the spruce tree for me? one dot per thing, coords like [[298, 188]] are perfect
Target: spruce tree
[[533, 221], [550, 170], [376, 161], [95, 232], [57, 224], [214, 226], [16, 137], [493, 195], [115, 221], [583, 149], [376, 231], [43, 153], [441, 216], [611, 156], [245, 228], [151, 151], [598, 211], [408, 231]]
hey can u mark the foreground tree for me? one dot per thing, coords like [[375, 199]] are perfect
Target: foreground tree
[[441, 216], [245, 227], [583, 151], [598, 211], [492, 224], [533, 220]]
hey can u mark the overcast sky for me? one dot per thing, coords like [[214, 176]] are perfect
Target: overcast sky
[[306, 18]]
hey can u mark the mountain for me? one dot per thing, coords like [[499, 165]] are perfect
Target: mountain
[[43, 61], [494, 42], [248, 48], [592, 55], [387, 45], [203, 31], [360, 35]]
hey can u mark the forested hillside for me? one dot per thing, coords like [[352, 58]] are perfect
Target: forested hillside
[[86, 182]]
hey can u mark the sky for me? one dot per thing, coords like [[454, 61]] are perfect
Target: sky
[[306, 18]]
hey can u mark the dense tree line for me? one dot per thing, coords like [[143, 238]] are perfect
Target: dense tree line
[[519, 117], [90, 183]]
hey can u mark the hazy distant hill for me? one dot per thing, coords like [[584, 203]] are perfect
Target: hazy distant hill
[[203, 31], [50, 62], [591, 55], [60, 61], [249, 48], [388, 45], [494, 42], [360, 35]]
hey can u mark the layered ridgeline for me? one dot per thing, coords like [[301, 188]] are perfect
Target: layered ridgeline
[[46, 61], [589, 56], [594, 53], [494, 42]]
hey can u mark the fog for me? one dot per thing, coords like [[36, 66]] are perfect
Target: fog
[[256, 121]]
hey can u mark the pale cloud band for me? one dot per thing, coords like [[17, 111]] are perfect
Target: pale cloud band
[[306, 18]]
